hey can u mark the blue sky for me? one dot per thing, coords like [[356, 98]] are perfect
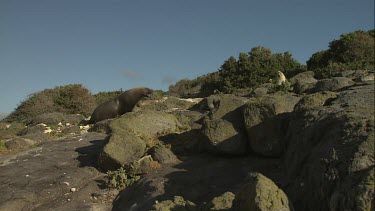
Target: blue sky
[[111, 44]]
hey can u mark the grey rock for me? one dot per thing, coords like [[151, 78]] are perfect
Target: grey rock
[[303, 82], [266, 122], [71, 129], [222, 202], [260, 91], [224, 138], [55, 118], [162, 154], [123, 148], [364, 78], [333, 84], [101, 127], [19, 143], [260, 193], [131, 134], [178, 204], [32, 130], [328, 148]]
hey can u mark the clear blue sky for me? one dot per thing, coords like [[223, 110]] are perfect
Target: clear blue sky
[[111, 44]]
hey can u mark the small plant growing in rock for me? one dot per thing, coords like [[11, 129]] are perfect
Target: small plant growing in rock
[[284, 87], [123, 177], [2, 144]]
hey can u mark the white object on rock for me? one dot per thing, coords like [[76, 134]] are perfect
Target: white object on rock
[[47, 130]]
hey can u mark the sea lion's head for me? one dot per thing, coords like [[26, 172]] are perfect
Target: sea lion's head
[[146, 92]]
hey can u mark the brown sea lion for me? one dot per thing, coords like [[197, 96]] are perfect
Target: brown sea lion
[[125, 102]]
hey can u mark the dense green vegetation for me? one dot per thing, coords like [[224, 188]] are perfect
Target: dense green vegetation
[[248, 71], [353, 51], [102, 97], [70, 99]]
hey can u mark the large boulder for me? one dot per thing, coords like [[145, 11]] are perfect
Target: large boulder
[[303, 82], [148, 124], [131, 134], [330, 156], [168, 104], [37, 132], [18, 143], [316, 100], [162, 154], [101, 127], [71, 129], [333, 84], [224, 106], [123, 148], [266, 122], [357, 75], [55, 118], [224, 137], [178, 203], [354, 192], [223, 128], [10, 130], [222, 202], [261, 194], [260, 91], [40, 128], [47, 118]]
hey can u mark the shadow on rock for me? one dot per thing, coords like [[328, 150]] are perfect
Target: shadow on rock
[[198, 179], [89, 154]]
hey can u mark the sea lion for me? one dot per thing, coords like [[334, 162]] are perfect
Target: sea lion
[[281, 79], [125, 102]]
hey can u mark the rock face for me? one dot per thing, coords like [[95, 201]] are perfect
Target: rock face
[[147, 124], [260, 91], [36, 133], [10, 130], [33, 130], [303, 82], [131, 134], [199, 179], [223, 202], [260, 193], [101, 127], [225, 106], [162, 154], [224, 137], [266, 122], [18, 143], [224, 129], [42, 178], [178, 203], [55, 118], [330, 156], [123, 148], [333, 84]]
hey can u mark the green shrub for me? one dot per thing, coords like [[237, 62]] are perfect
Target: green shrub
[[248, 71], [353, 51], [123, 177], [284, 87], [102, 97], [70, 99], [2, 144]]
